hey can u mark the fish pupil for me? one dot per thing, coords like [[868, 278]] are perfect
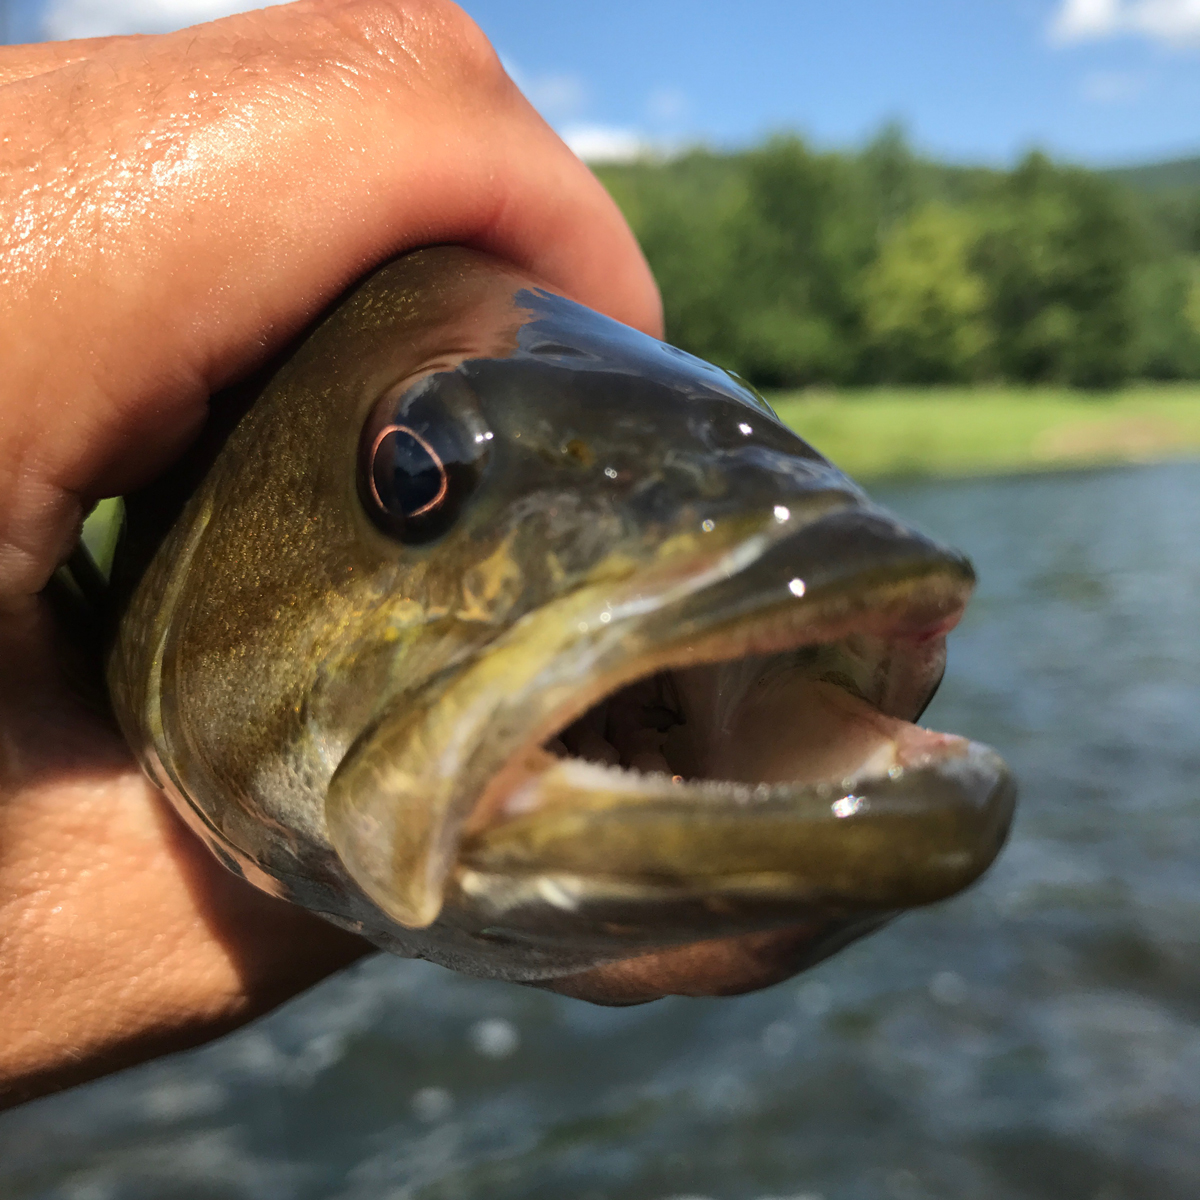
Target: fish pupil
[[409, 477]]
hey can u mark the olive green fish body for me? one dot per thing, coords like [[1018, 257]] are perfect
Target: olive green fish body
[[489, 629]]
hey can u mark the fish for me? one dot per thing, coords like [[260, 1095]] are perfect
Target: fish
[[514, 639]]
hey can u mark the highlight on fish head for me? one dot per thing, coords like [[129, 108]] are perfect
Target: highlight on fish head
[[518, 639]]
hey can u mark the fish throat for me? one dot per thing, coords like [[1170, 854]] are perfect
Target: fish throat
[[810, 715]]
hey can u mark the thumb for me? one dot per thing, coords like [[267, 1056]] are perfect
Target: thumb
[[177, 207]]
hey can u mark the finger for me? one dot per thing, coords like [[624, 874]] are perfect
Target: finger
[[24, 62], [180, 206]]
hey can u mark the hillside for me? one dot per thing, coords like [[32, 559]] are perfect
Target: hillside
[[1182, 174], [797, 267]]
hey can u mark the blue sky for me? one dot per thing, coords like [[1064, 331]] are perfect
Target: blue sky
[[1098, 81]]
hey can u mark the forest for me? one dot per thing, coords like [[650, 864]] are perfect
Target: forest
[[796, 267]]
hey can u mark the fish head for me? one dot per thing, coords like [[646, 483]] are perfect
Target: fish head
[[516, 639], [671, 656]]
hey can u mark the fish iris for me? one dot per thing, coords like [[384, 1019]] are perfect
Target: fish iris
[[407, 476]]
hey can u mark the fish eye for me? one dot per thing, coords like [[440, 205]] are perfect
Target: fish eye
[[421, 454]]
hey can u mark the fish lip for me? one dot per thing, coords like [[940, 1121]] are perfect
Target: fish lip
[[612, 913], [398, 827]]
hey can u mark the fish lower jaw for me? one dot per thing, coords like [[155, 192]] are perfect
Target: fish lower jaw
[[620, 859], [612, 820], [915, 817]]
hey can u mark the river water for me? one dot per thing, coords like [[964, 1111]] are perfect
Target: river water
[[1037, 1037]]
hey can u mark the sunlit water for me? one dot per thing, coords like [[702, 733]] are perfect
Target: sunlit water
[[1038, 1037]]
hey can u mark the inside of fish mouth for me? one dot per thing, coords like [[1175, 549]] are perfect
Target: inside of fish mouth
[[817, 713]]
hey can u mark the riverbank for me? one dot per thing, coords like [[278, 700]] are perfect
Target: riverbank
[[889, 432]]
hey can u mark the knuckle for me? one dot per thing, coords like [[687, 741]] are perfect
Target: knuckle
[[465, 42], [434, 40]]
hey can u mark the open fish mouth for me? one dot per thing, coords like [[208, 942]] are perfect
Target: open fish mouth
[[732, 753]]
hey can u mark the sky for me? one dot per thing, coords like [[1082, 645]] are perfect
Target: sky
[[1096, 81]]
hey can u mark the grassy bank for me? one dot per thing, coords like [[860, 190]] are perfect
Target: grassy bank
[[951, 431]]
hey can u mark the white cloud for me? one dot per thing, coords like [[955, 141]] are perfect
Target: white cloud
[[96, 18], [1112, 87], [666, 104], [563, 98], [1162, 20], [1079, 19], [556, 95], [606, 143], [1174, 20]]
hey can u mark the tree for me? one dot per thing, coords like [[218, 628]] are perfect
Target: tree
[[894, 177], [924, 308], [681, 212], [1058, 254], [794, 267], [801, 241]]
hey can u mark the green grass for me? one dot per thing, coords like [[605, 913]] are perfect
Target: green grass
[[976, 431]]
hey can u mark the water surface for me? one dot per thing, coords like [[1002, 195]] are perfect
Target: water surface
[[1038, 1037]]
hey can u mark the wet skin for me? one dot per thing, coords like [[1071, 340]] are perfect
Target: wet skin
[[508, 637], [178, 208]]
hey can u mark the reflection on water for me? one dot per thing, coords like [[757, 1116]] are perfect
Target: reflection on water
[[1039, 1037]]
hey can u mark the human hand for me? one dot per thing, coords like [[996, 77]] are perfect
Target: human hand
[[176, 208]]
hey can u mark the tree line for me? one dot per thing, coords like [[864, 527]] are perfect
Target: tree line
[[795, 267]]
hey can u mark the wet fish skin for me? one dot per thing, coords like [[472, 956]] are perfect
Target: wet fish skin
[[331, 707]]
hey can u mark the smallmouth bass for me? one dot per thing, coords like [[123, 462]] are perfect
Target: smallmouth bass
[[514, 639]]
